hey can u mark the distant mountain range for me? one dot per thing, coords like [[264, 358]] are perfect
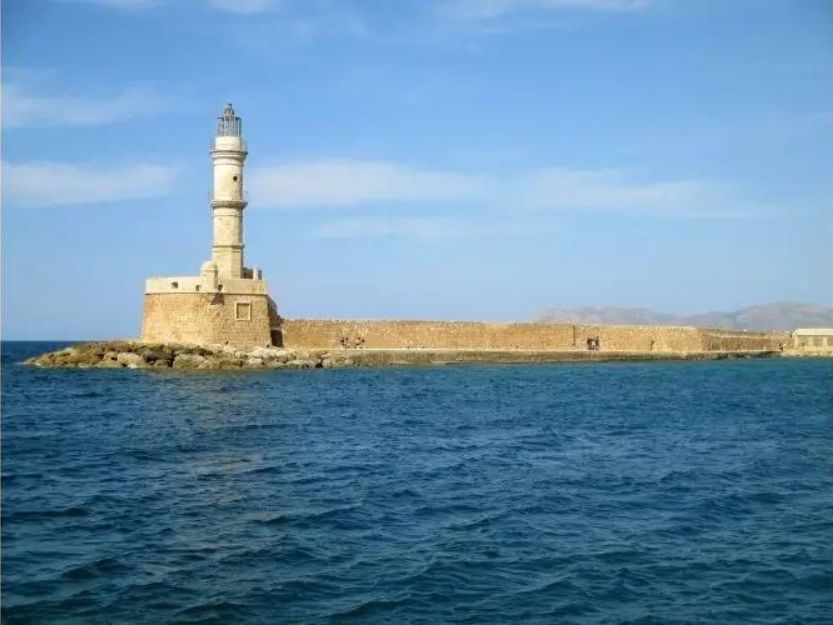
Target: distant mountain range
[[776, 316]]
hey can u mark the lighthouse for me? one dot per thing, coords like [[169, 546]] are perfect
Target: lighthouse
[[227, 303], [228, 199]]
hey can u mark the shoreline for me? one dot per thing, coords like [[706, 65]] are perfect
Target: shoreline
[[139, 355]]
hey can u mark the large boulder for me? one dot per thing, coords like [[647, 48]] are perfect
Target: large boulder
[[265, 353], [188, 361], [130, 359], [109, 359], [300, 363]]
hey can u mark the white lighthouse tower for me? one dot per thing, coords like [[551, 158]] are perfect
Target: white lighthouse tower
[[228, 199], [228, 303]]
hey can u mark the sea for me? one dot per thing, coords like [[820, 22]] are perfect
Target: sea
[[641, 493]]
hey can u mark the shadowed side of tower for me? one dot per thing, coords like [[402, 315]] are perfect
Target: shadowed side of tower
[[227, 303]]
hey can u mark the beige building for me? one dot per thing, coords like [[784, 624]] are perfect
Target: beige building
[[813, 340], [227, 303]]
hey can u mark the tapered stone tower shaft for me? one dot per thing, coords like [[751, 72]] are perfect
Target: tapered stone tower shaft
[[228, 199]]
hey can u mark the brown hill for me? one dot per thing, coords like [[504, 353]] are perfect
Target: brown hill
[[779, 316]]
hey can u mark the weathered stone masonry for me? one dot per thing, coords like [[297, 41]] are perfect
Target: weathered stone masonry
[[207, 318], [335, 334]]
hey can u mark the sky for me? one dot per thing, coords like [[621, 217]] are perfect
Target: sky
[[419, 159]]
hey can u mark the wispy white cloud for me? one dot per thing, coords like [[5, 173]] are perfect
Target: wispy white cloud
[[611, 190], [464, 9], [22, 107], [434, 227], [412, 227], [488, 9], [245, 7], [341, 182], [349, 183], [53, 184], [124, 4]]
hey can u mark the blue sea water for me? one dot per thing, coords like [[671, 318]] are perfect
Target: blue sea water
[[697, 492]]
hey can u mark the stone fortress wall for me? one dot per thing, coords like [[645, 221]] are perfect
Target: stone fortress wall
[[207, 319], [715, 339], [312, 333], [469, 335]]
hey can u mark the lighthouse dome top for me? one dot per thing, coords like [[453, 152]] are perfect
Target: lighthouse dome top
[[229, 123]]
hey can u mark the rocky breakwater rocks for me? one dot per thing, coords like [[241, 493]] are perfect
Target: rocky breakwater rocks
[[136, 355]]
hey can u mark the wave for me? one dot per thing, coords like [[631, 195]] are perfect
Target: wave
[[104, 567], [46, 514]]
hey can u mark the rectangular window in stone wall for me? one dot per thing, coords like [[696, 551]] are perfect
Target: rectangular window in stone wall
[[242, 311]]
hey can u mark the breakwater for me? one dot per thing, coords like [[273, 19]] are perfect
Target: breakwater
[[139, 355]]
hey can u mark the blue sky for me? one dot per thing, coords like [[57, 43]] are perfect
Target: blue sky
[[448, 159]]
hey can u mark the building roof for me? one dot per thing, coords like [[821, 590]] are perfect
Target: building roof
[[813, 332]]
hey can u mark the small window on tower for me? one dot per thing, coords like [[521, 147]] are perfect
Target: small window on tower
[[235, 178], [243, 311]]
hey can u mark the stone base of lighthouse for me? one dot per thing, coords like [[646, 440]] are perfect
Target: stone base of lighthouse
[[181, 310]]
